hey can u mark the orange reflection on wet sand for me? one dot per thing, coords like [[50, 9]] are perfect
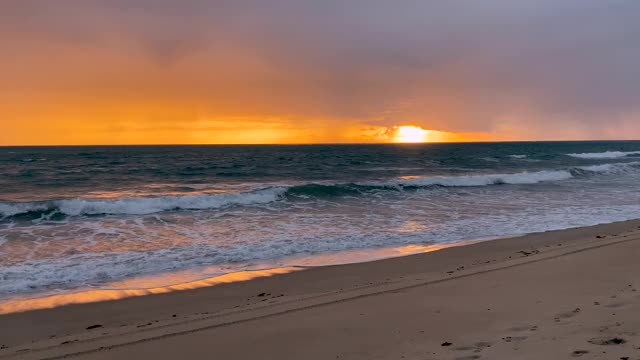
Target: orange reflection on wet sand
[[417, 249], [148, 285], [19, 305], [366, 255]]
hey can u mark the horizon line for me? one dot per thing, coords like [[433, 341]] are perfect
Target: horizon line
[[328, 143]]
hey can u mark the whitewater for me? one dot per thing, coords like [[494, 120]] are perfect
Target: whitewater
[[73, 218]]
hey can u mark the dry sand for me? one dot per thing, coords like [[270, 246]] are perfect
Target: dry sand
[[555, 295]]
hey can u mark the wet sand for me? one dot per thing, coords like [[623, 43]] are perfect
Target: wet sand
[[555, 295]]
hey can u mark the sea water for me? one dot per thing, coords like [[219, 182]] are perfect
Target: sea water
[[91, 217]]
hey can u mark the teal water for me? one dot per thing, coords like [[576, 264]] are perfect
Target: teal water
[[74, 217]]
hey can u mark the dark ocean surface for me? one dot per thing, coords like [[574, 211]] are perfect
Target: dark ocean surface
[[78, 217]]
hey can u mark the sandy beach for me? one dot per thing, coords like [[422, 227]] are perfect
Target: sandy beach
[[306, 180], [553, 295]]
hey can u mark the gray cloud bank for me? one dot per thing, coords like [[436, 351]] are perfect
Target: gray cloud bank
[[551, 67]]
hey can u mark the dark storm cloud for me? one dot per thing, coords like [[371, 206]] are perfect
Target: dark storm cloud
[[451, 65]]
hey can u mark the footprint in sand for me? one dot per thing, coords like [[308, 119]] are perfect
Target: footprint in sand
[[607, 341], [567, 314], [514, 338], [579, 353], [522, 328]]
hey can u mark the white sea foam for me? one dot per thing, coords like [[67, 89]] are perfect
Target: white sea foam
[[613, 168], [143, 205], [605, 155], [518, 156], [95, 268], [11, 209], [180, 240], [151, 205], [484, 180]]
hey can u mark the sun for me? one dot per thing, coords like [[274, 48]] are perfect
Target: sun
[[410, 134]]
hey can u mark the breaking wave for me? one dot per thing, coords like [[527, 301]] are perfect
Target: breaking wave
[[605, 155], [149, 205], [484, 180], [138, 205]]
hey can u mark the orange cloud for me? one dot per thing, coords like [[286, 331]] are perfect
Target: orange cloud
[[117, 73]]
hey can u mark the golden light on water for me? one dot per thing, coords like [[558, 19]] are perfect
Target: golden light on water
[[410, 134], [19, 305], [150, 286]]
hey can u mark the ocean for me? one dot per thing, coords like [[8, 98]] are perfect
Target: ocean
[[74, 218]]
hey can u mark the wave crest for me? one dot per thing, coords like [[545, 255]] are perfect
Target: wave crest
[[149, 205], [614, 168], [484, 180], [605, 155], [139, 205]]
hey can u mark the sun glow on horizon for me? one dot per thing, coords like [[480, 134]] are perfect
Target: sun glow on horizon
[[410, 134]]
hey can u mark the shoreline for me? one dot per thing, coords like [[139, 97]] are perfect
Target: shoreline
[[136, 286], [158, 283], [130, 287], [127, 323]]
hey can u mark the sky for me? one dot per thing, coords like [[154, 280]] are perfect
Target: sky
[[300, 71]]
